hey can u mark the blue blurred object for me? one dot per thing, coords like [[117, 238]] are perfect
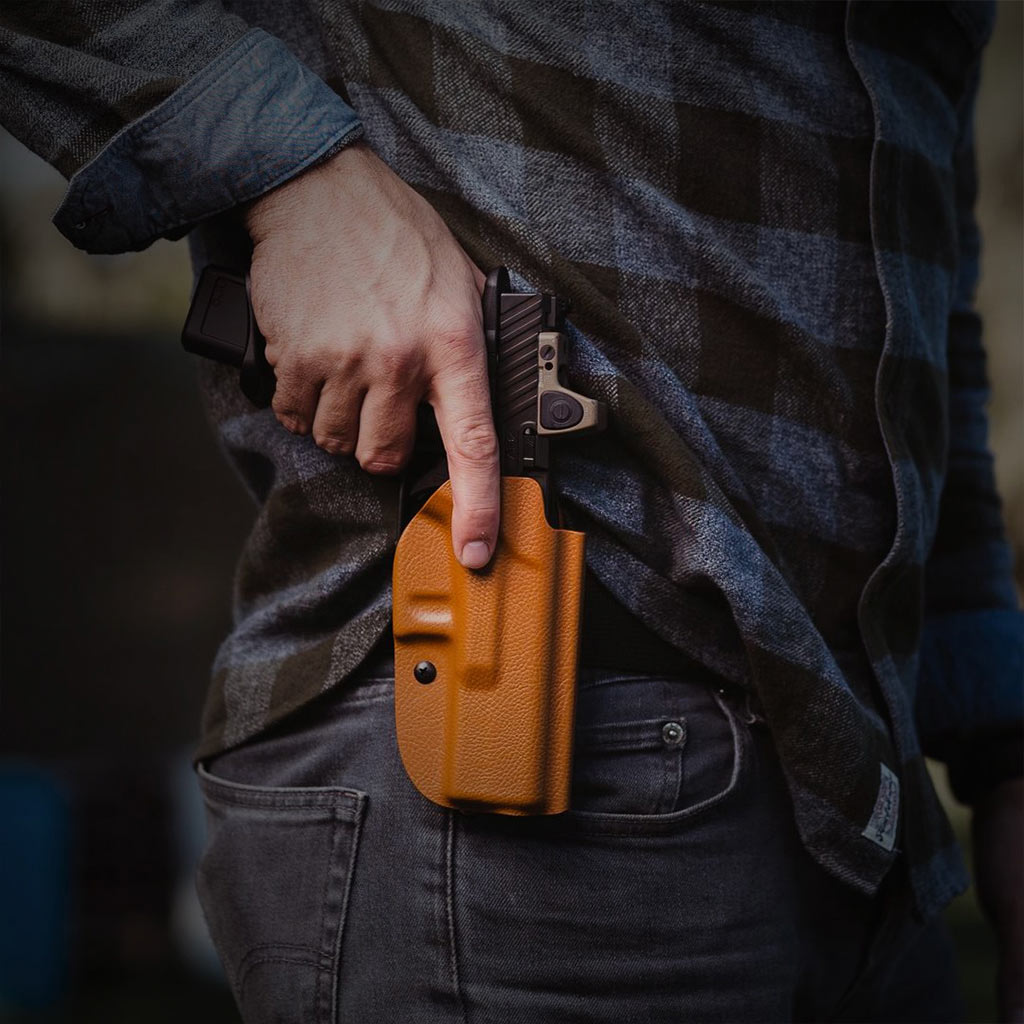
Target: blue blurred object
[[188, 926], [34, 887]]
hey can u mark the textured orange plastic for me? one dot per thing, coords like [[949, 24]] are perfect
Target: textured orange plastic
[[493, 730]]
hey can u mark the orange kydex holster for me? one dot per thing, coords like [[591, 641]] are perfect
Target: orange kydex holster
[[485, 660]]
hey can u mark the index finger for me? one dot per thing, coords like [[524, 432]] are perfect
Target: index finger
[[462, 405]]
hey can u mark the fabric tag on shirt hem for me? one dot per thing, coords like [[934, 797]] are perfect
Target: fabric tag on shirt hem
[[881, 827]]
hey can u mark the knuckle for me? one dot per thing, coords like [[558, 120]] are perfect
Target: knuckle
[[334, 444], [385, 454], [382, 462], [340, 362], [461, 342], [399, 364], [291, 381], [293, 422], [288, 414], [475, 441]]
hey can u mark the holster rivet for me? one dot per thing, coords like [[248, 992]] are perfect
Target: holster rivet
[[425, 672]]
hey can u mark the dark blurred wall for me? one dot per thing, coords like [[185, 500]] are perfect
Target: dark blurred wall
[[119, 528], [120, 521], [1000, 147]]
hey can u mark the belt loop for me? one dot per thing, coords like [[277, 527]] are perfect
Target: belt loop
[[752, 713]]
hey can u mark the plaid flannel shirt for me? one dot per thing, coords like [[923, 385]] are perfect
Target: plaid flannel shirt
[[762, 213]]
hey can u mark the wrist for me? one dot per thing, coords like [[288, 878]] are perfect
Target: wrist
[[263, 213]]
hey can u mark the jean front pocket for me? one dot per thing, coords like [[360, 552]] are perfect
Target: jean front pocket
[[629, 767], [651, 754], [274, 884]]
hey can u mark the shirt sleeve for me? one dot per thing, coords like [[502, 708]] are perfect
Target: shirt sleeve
[[161, 114], [970, 703]]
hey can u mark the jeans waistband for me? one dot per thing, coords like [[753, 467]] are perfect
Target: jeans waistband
[[611, 638]]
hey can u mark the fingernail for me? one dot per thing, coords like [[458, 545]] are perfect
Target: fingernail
[[476, 554]]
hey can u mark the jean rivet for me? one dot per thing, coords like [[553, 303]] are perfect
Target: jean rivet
[[672, 733]]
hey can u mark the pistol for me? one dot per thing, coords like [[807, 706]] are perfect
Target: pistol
[[527, 353], [221, 325]]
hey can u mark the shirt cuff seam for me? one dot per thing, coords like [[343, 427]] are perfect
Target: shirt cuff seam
[[124, 168], [246, 196]]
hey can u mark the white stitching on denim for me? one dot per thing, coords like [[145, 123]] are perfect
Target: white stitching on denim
[[450, 895], [357, 831], [590, 822]]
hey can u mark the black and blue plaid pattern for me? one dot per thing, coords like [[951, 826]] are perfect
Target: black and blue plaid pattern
[[762, 214]]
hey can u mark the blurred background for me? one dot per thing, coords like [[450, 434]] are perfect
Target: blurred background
[[120, 529]]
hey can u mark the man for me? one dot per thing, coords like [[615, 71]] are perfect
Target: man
[[761, 214]]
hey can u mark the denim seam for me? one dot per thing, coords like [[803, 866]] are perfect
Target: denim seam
[[250, 961], [286, 803], [634, 735], [666, 765], [639, 825], [367, 702], [625, 677], [357, 829], [285, 800], [324, 904], [334, 800], [450, 901]]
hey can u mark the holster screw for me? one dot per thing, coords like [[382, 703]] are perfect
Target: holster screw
[[425, 672]]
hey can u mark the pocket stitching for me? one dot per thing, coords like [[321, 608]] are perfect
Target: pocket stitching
[[639, 735], [251, 960], [350, 870], [606, 823], [671, 757], [343, 809], [240, 794]]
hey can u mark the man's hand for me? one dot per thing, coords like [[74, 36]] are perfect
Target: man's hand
[[369, 305], [998, 830]]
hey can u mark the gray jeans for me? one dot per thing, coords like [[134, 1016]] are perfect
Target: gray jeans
[[676, 889]]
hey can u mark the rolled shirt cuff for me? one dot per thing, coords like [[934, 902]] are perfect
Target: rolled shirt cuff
[[250, 120]]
